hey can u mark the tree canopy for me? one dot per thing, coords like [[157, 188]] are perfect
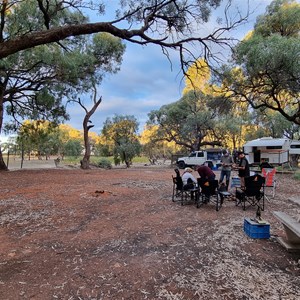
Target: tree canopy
[[122, 132], [190, 122], [34, 82], [266, 65], [171, 24]]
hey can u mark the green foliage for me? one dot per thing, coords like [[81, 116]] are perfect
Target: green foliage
[[104, 163], [39, 136], [35, 82], [47, 74], [297, 175], [122, 132], [268, 62], [273, 124], [280, 18], [102, 150], [191, 122], [73, 148]]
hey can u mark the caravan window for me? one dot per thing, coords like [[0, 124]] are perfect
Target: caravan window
[[274, 147], [295, 146]]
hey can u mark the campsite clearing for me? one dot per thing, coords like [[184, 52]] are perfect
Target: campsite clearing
[[116, 234]]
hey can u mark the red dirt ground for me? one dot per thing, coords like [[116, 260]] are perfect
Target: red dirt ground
[[116, 234]]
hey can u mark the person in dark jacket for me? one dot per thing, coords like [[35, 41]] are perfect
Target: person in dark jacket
[[243, 168], [265, 164]]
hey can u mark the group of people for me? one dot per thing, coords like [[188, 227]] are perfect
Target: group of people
[[227, 164]]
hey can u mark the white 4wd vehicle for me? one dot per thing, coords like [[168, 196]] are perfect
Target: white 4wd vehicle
[[212, 157]]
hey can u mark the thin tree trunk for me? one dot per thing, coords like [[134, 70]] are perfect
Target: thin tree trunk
[[3, 166], [85, 162]]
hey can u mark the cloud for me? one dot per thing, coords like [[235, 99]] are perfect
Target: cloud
[[147, 80]]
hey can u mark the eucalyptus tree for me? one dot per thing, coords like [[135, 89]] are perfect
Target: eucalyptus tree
[[171, 24], [265, 71], [191, 122], [106, 58], [61, 24], [38, 137], [272, 123], [122, 131], [34, 82]]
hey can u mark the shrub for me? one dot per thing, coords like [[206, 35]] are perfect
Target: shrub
[[297, 175], [104, 163]]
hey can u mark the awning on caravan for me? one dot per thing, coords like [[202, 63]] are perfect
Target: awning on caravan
[[265, 142]]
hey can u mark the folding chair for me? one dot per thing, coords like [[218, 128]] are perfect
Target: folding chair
[[253, 193], [181, 192], [270, 180], [210, 192], [177, 188]]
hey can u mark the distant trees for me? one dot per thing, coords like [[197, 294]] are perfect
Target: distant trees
[[73, 148], [202, 117], [39, 137], [154, 147], [122, 131], [188, 122], [44, 139]]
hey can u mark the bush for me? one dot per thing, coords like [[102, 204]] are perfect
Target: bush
[[104, 163], [297, 175]]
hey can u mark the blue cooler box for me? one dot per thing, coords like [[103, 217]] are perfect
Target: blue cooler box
[[256, 230]]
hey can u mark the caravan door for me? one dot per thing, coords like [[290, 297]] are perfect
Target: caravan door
[[256, 155]]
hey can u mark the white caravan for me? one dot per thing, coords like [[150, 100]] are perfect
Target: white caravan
[[275, 151]]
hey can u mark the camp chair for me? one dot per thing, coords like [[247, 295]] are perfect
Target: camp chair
[[209, 192], [181, 192], [270, 180], [253, 193]]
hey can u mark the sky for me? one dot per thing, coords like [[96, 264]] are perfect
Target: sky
[[147, 80]]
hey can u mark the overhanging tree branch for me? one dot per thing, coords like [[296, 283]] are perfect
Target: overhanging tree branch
[[168, 23]]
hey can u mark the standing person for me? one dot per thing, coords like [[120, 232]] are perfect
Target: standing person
[[205, 173], [227, 162], [243, 168], [235, 155]]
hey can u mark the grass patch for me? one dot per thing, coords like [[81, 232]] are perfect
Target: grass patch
[[72, 160]]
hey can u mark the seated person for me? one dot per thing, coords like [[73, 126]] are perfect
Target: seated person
[[265, 165], [205, 173], [189, 181]]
